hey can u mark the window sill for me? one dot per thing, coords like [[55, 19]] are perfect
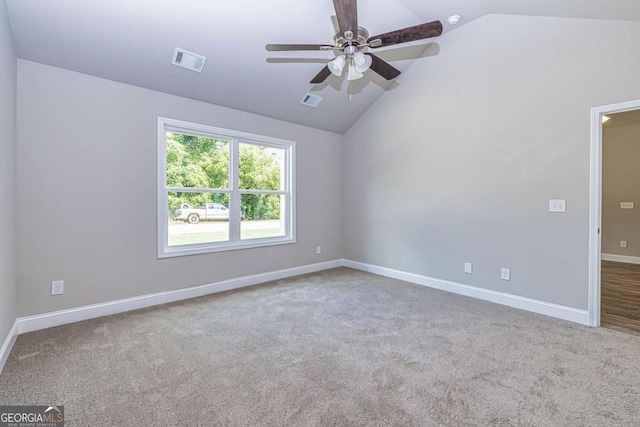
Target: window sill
[[205, 248]]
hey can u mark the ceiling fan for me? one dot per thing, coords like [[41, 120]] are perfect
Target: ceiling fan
[[352, 41]]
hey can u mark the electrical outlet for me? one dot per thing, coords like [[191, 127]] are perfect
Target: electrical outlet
[[318, 250], [468, 268], [627, 205], [505, 274], [623, 243], [57, 287], [557, 205]]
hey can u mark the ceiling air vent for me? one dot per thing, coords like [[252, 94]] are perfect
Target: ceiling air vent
[[188, 60], [311, 100]]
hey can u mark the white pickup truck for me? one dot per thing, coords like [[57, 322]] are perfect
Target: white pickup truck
[[208, 212]]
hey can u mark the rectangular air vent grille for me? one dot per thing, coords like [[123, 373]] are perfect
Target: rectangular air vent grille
[[311, 100], [190, 61]]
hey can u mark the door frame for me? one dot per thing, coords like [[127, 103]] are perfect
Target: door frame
[[595, 202]]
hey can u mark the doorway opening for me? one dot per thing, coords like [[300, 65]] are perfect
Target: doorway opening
[[614, 233]]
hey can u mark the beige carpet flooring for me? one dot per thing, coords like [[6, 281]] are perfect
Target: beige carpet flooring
[[335, 348]]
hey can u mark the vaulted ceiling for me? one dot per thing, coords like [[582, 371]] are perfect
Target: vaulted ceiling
[[133, 42]]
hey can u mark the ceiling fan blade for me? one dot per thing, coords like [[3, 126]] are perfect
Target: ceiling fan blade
[[383, 68], [321, 76], [417, 32], [347, 14], [334, 22], [289, 47]]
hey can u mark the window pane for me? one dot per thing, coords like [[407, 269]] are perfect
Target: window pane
[[198, 218], [262, 216], [261, 167], [196, 161]]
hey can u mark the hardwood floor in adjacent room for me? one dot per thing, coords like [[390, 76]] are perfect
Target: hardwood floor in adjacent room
[[620, 298]]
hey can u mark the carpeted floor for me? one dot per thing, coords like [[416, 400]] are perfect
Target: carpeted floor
[[335, 348]]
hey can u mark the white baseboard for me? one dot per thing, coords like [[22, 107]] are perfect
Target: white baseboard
[[621, 258], [72, 315], [528, 304], [8, 345]]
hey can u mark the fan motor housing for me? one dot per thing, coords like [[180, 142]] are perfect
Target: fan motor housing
[[341, 41]]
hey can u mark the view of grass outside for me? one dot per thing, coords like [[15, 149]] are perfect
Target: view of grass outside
[[183, 233]]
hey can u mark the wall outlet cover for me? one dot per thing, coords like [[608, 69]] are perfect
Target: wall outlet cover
[[557, 205], [623, 243], [57, 287], [627, 205], [505, 274]]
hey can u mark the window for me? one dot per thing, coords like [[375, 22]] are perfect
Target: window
[[220, 189]]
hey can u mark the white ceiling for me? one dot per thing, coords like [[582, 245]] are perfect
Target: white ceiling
[[132, 41]]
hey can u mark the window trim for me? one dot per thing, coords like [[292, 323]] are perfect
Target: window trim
[[235, 138]]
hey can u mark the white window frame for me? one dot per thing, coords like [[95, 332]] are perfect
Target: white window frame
[[235, 138]]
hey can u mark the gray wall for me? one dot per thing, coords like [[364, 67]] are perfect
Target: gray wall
[[621, 183], [7, 175], [87, 192], [457, 162]]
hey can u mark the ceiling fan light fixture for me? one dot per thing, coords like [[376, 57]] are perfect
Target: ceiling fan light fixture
[[337, 65], [362, 62], [353, 73], [359, 58]]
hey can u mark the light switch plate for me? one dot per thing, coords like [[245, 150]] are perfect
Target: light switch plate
[[468, 268], [627, 205], [557, 205]]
